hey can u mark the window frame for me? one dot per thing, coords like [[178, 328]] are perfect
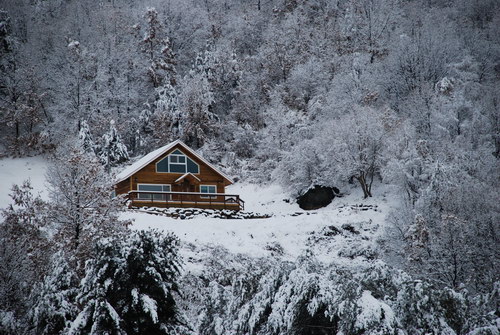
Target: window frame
[[182, 154], [208, 196], [165, 197]]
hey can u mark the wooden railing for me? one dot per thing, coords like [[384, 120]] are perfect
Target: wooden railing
[[186, 199]]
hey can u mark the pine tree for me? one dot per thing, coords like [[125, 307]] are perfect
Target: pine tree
[[112, 151], [54, 299], [167, 121], [159, 51], [85, 138], [200, 124], [129, 287]]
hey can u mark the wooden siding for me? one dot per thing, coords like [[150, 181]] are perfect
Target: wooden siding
[[148, 175], [123, 186]]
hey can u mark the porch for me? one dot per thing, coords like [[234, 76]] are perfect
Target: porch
[[186, 199]]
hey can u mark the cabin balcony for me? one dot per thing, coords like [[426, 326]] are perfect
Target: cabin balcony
[[185, 200]]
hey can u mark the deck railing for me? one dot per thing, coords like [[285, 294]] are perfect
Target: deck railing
[[185, 199]]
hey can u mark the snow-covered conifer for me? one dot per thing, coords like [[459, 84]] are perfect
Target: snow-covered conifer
[[54, 298], [130, 287], [85, 138], [200, 122], [167, 121], [112, 151]]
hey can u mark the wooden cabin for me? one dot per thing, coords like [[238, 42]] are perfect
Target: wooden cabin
[[176, 176]]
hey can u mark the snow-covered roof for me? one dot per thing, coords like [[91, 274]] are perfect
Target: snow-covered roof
[[141, 163]]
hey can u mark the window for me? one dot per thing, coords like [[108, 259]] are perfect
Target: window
[[177, 162], [153, 188], [208, 189]]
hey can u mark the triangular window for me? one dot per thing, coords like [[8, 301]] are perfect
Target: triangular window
[[177, 162]]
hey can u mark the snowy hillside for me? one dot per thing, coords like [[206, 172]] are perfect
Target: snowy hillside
[[341, 228], [261, 276], [393, 103]]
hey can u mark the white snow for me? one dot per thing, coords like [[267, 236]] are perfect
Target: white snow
[[373, 311], [16, 170], [184, 176], [254, 237], [149, 306]]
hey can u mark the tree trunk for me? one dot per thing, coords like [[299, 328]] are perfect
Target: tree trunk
[[364, 186]]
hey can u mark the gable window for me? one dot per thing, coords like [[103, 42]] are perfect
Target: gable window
[[208, 189], [177, 162], [153, 188]]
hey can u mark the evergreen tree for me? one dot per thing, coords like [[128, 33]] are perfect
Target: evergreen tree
[[112, 150], [54, 299], [159, 51], [85, 138], [167, 121], [130, 287], [200, 123]]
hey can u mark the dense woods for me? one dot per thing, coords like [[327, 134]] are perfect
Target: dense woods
[[301, 93]]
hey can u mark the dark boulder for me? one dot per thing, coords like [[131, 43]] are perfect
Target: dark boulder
[[317, 197]]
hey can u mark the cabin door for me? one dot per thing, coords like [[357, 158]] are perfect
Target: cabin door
[[186, 186]]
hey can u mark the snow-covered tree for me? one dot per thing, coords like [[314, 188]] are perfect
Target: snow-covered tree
[[354, 147], [54, 298], [24, 251], [302, 168], [112, 150], [307, 297], [159, 51], [82, 207], [85, 138], [22, 108], [166, 121], [130, 287], [200, 123], [81, 92]]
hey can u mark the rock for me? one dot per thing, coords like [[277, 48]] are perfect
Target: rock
[[317, 197]]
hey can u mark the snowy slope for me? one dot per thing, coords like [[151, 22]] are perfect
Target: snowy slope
[[341, 230], [16, 170]]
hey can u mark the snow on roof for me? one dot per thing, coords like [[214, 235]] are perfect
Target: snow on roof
[[141, 163], [184, 176]]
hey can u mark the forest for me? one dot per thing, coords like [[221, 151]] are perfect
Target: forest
[[360, 94]]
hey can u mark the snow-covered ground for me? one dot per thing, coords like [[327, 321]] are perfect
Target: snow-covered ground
[[338, 229], [16, 170]]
